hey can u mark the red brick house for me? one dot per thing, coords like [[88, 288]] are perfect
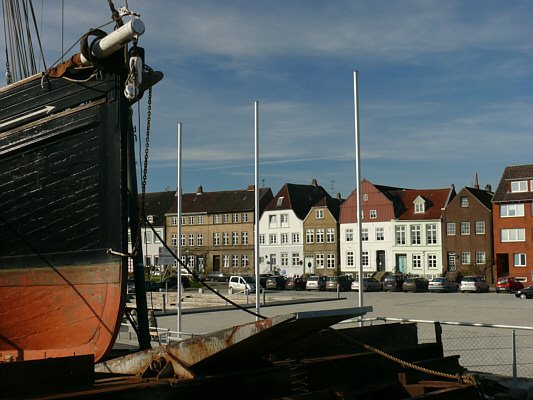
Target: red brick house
[[512, 209]]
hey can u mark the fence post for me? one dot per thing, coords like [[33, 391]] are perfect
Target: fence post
[[514, 356], [438, 332]]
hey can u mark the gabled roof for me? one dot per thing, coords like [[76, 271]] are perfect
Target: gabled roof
[[435, 200], [157, 204], [513, 173], [333, 204], [299, 198], [220, 202], [484, 196]]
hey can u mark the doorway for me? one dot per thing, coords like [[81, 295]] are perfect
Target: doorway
[[216, 263], [380, 258]]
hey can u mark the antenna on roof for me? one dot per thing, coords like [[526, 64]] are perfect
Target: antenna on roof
[[332, 186]]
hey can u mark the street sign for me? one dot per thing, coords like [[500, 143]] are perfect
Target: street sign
[[165, 257]]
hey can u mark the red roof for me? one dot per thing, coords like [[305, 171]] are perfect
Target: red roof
[[435, 201]]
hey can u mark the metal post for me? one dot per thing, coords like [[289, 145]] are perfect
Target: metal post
[[514, 356], [178, 238], [256, 211], [358, 185]]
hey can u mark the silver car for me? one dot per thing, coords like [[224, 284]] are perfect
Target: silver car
[[474, 284], [442, 285], [369, 285]]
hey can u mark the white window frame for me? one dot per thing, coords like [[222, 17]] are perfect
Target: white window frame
[[348, 234], [284, 238], [273, 238], [513, 235], [330, 235], [518, 186], [320, 235], [364, 235], [416, 234], [191, 239], [330, 261], [319, 213], [519, 260], [244, 217], [191, 220], [225, 261], [512, 210], [417, 261], [200, 219], [450, 229], [380, 234], [295, 259], [295, 237], [244, 239], [235, 218], [431, 234], [319, 258], [480, 227], [465, 227], [216, 239], [432, 261], [272, 221], [262, 238], [373, 214], [310, 236], [464, 201], [481, 257], [466, 258], [244, 261], [225, 239], [235, 260], [234, 238], [199, 239], [284, 259], [365, 259], [400, 235], [284, 219], [349, 259]]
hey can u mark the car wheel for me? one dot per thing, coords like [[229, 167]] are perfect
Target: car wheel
[[231, 290], [523, 296]]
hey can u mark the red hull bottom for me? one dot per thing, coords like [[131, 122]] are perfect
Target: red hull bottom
[[56, 312]]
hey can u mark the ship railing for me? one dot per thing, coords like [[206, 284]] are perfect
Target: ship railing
[[157, 334], [497, 349]]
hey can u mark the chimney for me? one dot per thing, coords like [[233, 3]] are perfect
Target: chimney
[[488, 188], [476, 183], [200, 190], [339, 196], [251, 188], [314, 183]]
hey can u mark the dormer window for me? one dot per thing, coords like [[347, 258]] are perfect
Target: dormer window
[[365, 197], [518, 186], [464, 201], [280, 201], [420, 205], [319, 214]]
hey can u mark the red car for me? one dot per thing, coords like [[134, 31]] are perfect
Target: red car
[[508, 284]]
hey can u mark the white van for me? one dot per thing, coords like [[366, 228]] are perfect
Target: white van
[[239, 284]]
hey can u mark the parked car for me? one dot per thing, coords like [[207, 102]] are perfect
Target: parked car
[[316, 282], [344, 282], [263, 279], [152, 286], [295, 284], [393, 283], [415, 284], [171, 283], [241, 284], [443, 285], [474, 284], [369, 285], [276, 282], [216, 276], [525, 293], [508, 284]]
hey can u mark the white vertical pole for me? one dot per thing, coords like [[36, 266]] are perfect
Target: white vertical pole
[[178, 239], [358, 186], [256, 210]]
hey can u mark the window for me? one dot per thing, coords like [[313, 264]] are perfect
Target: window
[[156, 260], [200, 219], [432, 261], [156, 238], [348, 234], [225, 261], [225, 218], [309, 235], [465, 227], [235, 218], [174, 221], [216, 239], [513, 235], [191, 239], [319, 214], [420, 207], [450, 228], [262, 239], [234, 238], [191, 220], [331, 261], [284, 259], [480, 257], [295, 259], [216, 219], [417, 261], [244, 217], [518, 186], [273, 238], [431, 233], [183, 220], [244, 261], [465, 258], [284, 238], [245, 238], [511, 210], [279, 202], [400, 234], [295, 237], [320, 260], [380, 234], [272, 260], [480, 227], [199, 239], [364, 259], [182, 239], [320, 235], [349, 259], [148, 236], [284, 220], [365, 197], [464, 201], [519, 260], [364, 235], [174, 239], [416, 234], [147, 260], [272, 221], [225, 238], [330, 235], [373, 214], [234, 260]]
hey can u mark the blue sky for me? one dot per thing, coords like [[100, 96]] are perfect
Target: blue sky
[[445, 89]]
